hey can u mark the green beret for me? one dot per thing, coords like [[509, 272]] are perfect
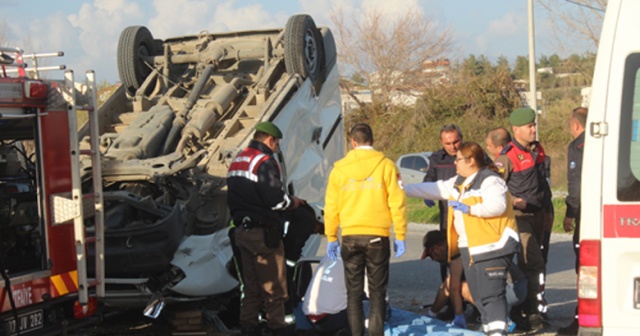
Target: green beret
[[269, 128], [522, 116]]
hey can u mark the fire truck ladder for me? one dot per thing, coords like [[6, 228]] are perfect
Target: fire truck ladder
[[97, 239]]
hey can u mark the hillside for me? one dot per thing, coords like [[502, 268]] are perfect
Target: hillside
[[478, 96]]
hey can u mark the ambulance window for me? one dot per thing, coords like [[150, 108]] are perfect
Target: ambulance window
[[629, 141]]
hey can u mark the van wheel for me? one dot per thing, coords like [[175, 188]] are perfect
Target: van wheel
[[304, 50], [135, 46]]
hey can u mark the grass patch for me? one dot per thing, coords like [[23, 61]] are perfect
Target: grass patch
[[420, 213], [559, 208]]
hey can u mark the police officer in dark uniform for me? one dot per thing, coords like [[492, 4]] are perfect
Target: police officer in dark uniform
[[577, 123], [521, 163], [441, 168], [256, 199]]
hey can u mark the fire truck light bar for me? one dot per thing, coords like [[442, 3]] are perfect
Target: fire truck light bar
[[35, 89]]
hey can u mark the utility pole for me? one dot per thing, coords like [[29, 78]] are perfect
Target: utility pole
[[533, 94]]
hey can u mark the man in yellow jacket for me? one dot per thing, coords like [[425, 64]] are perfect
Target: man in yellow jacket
[[365, 199]]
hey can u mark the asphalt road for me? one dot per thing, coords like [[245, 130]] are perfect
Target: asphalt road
[[412, 284]]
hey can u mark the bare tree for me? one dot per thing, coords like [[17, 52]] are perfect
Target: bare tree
[[576, 20], [388, 52], [4, 33]]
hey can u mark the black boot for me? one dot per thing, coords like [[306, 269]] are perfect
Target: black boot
[[521, 321], [250, 330], [475, 316], [571, 329], [286, 331], [447, 315]]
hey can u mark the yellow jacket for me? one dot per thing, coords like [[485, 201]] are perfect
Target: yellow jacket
[[490, 225], [488, 237], [364, 196]]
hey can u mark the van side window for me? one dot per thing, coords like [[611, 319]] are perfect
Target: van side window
[[628, 184]]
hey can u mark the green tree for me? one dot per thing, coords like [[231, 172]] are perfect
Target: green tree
[[521, 69], [470, 66], [503, 64], [479, 96], [476, 102], [485, 66], [554, 61], [543, 62]]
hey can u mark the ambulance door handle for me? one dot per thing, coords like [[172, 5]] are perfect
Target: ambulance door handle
[[598, 129], [636, 293]]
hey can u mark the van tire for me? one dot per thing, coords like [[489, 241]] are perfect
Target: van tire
[[135, 45], [304, 50]]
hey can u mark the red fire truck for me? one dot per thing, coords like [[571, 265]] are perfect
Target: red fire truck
[[44, 287]]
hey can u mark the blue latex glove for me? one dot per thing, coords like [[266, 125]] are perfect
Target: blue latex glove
[[429, 203], [459, 206], [459, 321], [333, 250], [399, 247]]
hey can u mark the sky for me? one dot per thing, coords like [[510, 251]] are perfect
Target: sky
[[88, 31]]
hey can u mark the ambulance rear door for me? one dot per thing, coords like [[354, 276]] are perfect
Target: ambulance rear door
[[609, 279]]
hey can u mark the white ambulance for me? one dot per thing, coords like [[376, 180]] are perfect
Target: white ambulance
[[609, 277]]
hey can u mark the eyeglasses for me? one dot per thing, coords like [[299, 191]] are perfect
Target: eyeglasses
[[459, 159]]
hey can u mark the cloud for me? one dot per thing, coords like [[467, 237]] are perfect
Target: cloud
[[100, 24], [508, 30], [180, 17], [319, 10], [355, 8], [253, 16], [50, 34], [509, 25], [96, 29], [391, 8]]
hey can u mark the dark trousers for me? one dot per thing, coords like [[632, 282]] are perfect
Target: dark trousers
[[487, 282], [546, 238], [531, 262], [444, 269], [264, 276], [371, 253], [576, 242], [576, 249], [332, 323]]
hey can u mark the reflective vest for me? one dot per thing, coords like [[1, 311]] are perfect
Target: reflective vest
[[246, 164]]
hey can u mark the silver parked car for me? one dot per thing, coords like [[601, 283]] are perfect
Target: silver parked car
[[413, 166]]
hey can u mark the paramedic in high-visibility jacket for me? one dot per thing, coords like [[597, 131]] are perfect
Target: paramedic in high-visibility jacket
[[481, 227], [365, 200], [257, 199]]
